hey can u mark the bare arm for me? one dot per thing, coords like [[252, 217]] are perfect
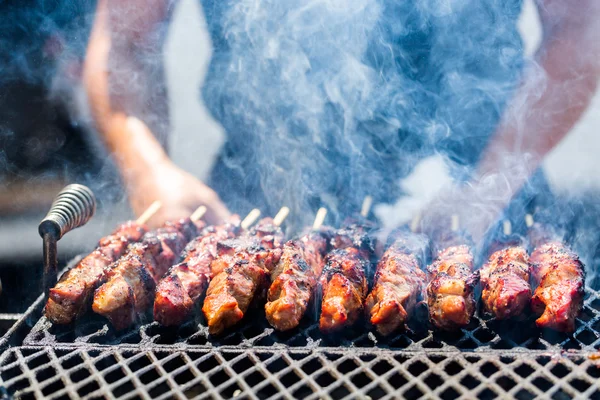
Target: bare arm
[[125, 82], [551, 98]]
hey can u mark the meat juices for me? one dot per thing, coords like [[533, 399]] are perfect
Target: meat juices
[[132, 279], [186, 282], [505, 282], [450, 294], [561, 278], [294, 280], [245, 265], [399, 281], [72, 295], [344, 288]]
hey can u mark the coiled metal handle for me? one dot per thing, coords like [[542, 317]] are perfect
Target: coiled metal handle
[[72, 208]]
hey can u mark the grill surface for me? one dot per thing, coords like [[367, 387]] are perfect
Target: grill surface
[[488, 359]]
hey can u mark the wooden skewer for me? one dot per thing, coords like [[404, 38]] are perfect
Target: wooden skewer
[[250, 218], [507, 227], [455, 224], [366, 206], [414, 224], [149, 213], [319, 218], [529, 220], [281, 216], [199, 213]]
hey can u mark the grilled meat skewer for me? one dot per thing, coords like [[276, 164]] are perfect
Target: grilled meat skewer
[[241, 271], [450, 296], [560, 276], [344, 288], [399, 281], [186, 282], [71, 296], [343, 282], [132, 279], [505, 282], [294, 280]]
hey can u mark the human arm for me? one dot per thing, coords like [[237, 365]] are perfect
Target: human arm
[[553, 94], [125, 82]]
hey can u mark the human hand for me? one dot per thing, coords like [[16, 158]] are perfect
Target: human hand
[[473, 206], [179, 193]]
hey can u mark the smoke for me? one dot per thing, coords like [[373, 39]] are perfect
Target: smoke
[[331, 101]]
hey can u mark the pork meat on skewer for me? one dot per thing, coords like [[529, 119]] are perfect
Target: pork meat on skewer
[[242, 271], [560, 276], [505, 282], [294, 280], [72, 295], [343, 288], [129, 289], [343, 282], [186, 282], [450, 292], [399, 282]]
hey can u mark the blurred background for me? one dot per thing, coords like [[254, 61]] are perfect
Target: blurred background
[[46, 142]]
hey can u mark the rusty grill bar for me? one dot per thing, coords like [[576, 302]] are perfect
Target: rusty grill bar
[[488, 359]]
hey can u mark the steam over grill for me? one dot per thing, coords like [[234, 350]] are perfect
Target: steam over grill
[[488, 359]]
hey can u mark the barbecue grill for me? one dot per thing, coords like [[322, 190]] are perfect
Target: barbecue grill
[[487, 359]]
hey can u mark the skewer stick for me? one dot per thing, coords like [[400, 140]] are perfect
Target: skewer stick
[[319, 218], [281, 216], [455, 224], [199, 213], [529, 220], [506, 227], [366, 206], [250, 218], [149, 213], [414, 224]]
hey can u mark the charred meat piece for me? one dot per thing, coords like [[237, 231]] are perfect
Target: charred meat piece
[[230, 294], [354, 235], [132, 279], [262, 244], [452, 282], [561, 278], [399, 281], [505, 282], [241, 275], [72, 295], [294, 280], [186, 282], [343, 287]]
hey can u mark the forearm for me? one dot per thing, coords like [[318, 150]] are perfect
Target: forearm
[[551, 99], [119, 85]]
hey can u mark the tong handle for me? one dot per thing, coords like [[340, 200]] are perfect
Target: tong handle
[[73, 207]]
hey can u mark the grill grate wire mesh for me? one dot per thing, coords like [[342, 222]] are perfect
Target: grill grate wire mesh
[[486, 360]]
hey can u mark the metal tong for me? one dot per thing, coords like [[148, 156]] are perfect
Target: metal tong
[[73, 207]]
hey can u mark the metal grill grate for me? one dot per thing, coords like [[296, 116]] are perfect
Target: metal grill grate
[[93, 372], [489, 359], [482, 334]]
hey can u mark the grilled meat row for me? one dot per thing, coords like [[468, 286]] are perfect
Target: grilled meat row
[[243, 270], [71, 296]]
